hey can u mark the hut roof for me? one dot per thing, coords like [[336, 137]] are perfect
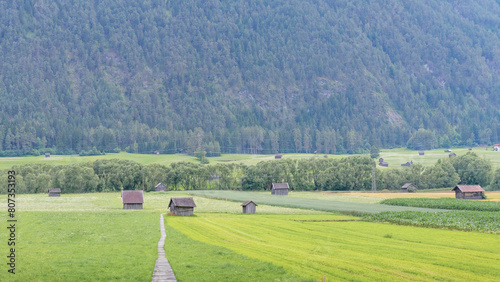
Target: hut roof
[[281, 186], [54, 190], [468, 188], [247, 203], [187, 202], [407, 185], [132, 196], [160, 185]]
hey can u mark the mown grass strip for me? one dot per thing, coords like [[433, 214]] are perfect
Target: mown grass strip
[[303, 203], [445, 203], [460, 220], [194, 260], [346, 250]]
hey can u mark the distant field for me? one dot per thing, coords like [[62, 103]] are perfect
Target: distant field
[[395, 157]]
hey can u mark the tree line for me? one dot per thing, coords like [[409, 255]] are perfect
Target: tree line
[[312, 174]]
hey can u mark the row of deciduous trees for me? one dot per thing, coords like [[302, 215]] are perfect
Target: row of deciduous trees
[[323, 174]]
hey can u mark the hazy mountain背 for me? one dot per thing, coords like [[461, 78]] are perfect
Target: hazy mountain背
[[233, 76]]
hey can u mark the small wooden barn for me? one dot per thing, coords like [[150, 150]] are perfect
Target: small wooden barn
[[406, 164], [54, 192], [421, 153], [280, 189], [278, 156], [160, 187], [384, 164], [469, 192], [182, 206], [249, 207], [452, 155], [447, 151], [132, 199], [47, 155], [405, 187]]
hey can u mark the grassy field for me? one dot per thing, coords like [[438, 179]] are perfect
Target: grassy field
[[295, 200], [332, 248], [395, 157], [90, 237]]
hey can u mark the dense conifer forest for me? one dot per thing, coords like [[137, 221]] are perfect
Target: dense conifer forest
[[247, 77]]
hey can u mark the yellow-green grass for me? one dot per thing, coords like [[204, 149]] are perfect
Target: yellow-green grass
[[491, 195], [332, 248]]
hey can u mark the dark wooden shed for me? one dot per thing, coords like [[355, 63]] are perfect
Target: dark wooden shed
[[278, 156], [47, 155], [249, 207], [385, 164], [54, 192], [160, 187], [451, 155], [182, 206], [132, 199], [469, 192], [406, 164], [421, 153], [405, 187], [280, 189]]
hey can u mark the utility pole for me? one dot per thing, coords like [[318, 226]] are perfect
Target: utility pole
[[374, 181]]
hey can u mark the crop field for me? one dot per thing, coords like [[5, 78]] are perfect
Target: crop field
[[330, 248], [460, 220], [395, 157], [445, 203], [491, 195], [90, 237]]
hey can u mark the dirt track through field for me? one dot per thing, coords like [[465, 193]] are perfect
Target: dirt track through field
[[162, 271]]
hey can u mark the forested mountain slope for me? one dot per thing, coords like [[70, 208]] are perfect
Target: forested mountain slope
[[239, 76]]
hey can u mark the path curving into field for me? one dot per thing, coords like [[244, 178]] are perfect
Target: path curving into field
[[163, 271]]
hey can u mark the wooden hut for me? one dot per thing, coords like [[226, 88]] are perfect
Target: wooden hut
[[47, 155], [451, 155], [132, 199], [406, 164], [160, 187], [421, 153], [469, 192], [447, 151], [182, 206], [278, 156], [405, 187], [249, 207], [156, 152], [384, 164], [54, 192], [280, 189]]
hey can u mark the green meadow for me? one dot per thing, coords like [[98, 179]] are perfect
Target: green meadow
[[395, 157], [90, 237]]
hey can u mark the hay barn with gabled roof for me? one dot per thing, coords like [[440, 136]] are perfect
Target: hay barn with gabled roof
[[54, 192], [160, 187], [469, 192], [132, 199], [182, 206], [249, 207], [405, 187], [280, 189]]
